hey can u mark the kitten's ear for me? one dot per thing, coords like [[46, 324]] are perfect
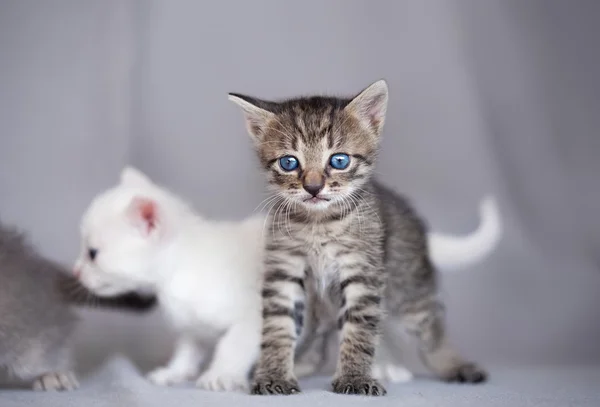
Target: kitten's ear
[[133, 177], [370, 106], [257, 118], [144, 214]]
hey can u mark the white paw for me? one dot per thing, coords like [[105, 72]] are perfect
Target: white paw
[[215, 381], [163, 376], [304, 369], [55, 382], [392, 373]]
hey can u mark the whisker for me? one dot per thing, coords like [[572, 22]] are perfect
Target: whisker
[[267, 218], [358, 214], [371, 209], [279, 221], [276, 218], [266, 201], [365, 191], [287, 217]]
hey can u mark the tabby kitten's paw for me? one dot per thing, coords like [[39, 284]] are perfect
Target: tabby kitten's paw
[[56, 381], [215, 381], [467, 373], [358, 384], [268, 385]]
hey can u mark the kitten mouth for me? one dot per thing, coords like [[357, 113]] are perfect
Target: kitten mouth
[[315, 200]]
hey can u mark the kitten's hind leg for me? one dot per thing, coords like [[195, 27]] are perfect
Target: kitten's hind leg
[[184, 364], [234, 356], [425, 320]]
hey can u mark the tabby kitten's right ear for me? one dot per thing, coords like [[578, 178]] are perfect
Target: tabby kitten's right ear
[[256, 117], [370, 106]]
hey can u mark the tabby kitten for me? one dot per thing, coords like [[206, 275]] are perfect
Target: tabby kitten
[[341, 238]]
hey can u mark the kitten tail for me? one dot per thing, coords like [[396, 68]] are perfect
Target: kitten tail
[[452, 252]]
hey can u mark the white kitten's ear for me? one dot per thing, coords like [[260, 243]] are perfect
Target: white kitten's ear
[[144, 214], [256, 115], [134, 177], [370, 106]]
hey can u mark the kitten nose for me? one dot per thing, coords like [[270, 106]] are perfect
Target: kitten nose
[[76, 272], [313, 189], [313, 183]]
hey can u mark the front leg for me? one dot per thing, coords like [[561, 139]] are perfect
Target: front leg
[[361, 285], [183, 365], [282, 294], [234, 356]]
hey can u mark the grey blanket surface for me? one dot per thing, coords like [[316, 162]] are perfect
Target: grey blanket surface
[[119, 383]]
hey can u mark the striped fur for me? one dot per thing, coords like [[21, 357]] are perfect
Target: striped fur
[[355, 248]]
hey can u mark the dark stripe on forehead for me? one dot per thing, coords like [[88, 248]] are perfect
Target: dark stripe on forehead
[[297, 129], [330, 139]]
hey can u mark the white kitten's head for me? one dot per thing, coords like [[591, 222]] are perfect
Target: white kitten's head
[[121, 233]]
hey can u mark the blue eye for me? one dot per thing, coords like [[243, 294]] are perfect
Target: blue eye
[[288, 163], [339, 161]]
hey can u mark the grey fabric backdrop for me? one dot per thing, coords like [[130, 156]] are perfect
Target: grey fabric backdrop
[[486, 96]]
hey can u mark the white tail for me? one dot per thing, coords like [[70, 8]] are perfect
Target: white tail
[[451, 252]]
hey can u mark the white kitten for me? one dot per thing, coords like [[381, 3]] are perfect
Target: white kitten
[[207, 275]]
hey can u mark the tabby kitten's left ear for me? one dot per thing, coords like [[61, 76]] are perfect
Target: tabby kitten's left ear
[[370, 105], [257, 118]]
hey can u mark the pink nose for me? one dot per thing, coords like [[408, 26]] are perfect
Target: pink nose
[[76, 272]]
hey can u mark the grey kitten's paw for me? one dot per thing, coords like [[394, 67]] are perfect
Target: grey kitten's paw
[[467, 373], [358, 384], [265, 385], [56, 381]]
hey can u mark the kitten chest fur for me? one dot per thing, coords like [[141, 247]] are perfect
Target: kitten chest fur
[[323, 243]]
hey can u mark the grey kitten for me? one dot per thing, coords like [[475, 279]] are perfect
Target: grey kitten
[[342, 240], [36, 322]]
